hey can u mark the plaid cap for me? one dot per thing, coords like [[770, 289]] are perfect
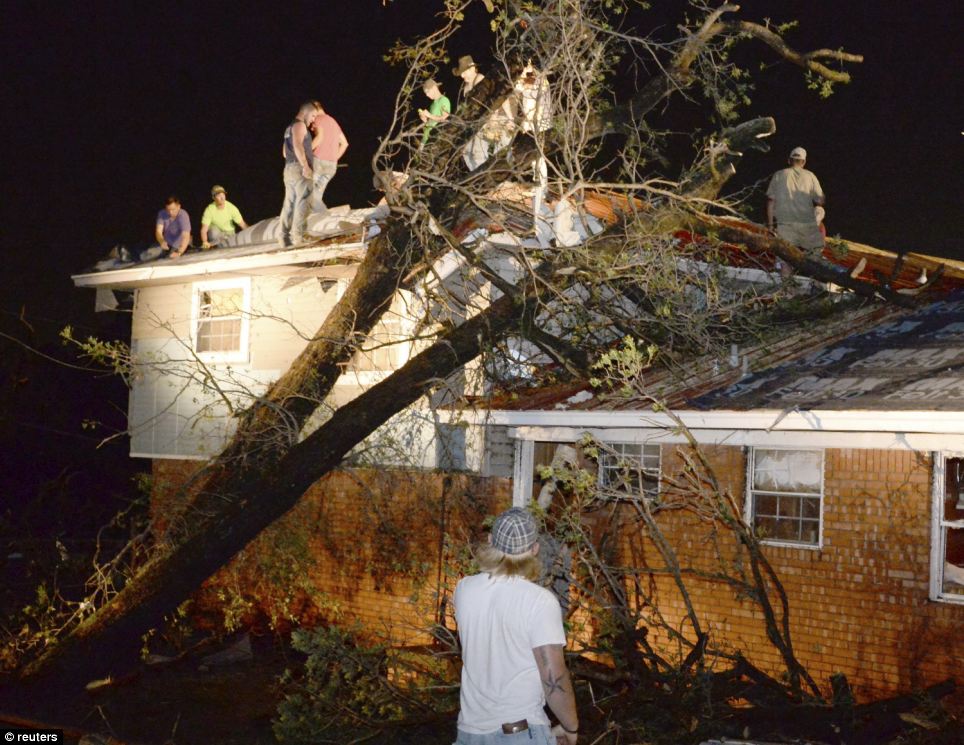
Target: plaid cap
[[514, 531]]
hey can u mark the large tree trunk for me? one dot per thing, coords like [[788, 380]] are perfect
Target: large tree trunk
[[112, 636]]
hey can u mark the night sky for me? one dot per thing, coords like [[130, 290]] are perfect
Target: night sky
[[110, 108]]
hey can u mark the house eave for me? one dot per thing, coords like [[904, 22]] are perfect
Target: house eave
[[155, 273], [769, 420]]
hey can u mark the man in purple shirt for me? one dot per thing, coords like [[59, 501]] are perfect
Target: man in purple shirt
[[173, 228]]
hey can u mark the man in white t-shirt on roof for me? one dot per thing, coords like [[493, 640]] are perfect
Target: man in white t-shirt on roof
[[791, 197], [512, 644]]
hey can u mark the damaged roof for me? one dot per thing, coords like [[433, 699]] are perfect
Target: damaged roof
[[913, 361], [876, 357]]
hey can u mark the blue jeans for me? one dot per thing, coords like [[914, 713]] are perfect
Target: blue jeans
[[537, 734], [294, 211], [324, 171]]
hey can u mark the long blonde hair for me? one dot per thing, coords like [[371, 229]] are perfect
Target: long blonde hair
[[500, 564]]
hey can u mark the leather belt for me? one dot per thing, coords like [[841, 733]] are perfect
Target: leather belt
[[511, 728]]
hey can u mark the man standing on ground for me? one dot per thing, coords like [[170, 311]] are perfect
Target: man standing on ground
[[172, 229], [327, 146], [220, 220], [512, 643], [296, 150], [791, 197]]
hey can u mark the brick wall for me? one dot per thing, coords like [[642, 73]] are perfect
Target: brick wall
[[859, 604], [370, 542], [362, 546]]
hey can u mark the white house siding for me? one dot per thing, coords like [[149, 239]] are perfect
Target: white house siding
[[176, 406], [162, 311], [286, 313]]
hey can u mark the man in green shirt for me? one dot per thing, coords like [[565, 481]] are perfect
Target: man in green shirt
[[220, 220], [438, 111]]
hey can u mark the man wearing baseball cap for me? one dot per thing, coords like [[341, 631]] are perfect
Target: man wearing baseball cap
[[512, 644], [791, 197], [220, 220]]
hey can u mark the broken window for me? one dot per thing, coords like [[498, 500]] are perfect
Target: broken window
[[786, 495], [221, 319], [631, 468], [948, 564]]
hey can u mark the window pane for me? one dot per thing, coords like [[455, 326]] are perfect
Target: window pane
[[788, 507], [219, 336], [630, 467], [810, 531], [786, 530], [787, 470], [954, 561], [810, 508], [766, 504], [766, 527], [227, 302], [954, 489]]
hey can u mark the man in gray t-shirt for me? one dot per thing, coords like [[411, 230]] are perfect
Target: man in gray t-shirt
[[791, 197]]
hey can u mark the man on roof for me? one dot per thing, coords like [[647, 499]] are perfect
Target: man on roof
[[220, 220], [298, 174], [172, 229], [438, 111], [328, 144], [792, 195], [494, 128]]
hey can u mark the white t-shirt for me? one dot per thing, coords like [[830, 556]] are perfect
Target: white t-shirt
[[794, 191], [501, 620]]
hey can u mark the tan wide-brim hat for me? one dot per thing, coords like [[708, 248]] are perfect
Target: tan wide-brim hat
[[465, 62]]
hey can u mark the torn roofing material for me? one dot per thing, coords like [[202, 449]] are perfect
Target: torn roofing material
[[876, 359], [911, 362], [676, 386]]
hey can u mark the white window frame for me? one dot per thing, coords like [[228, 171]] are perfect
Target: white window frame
[[750, 501], [621, 455], [242, 354], [939, 528]]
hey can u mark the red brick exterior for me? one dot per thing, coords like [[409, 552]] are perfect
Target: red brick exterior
[[858, 605], [370, 539]]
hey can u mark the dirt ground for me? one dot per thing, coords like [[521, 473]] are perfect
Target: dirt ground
[[193, 700], [190, 701]]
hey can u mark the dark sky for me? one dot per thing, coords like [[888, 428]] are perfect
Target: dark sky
[[110, 107]]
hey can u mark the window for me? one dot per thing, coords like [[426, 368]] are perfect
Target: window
[[386, 347], [222, 314], [947, 556], [629, 467], [786, 495], [450, 453]]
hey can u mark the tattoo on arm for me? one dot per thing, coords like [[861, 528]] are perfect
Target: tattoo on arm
[[551, 685]]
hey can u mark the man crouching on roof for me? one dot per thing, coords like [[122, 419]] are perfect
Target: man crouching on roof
[[172, 229], [220, 220], [512, 644]]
